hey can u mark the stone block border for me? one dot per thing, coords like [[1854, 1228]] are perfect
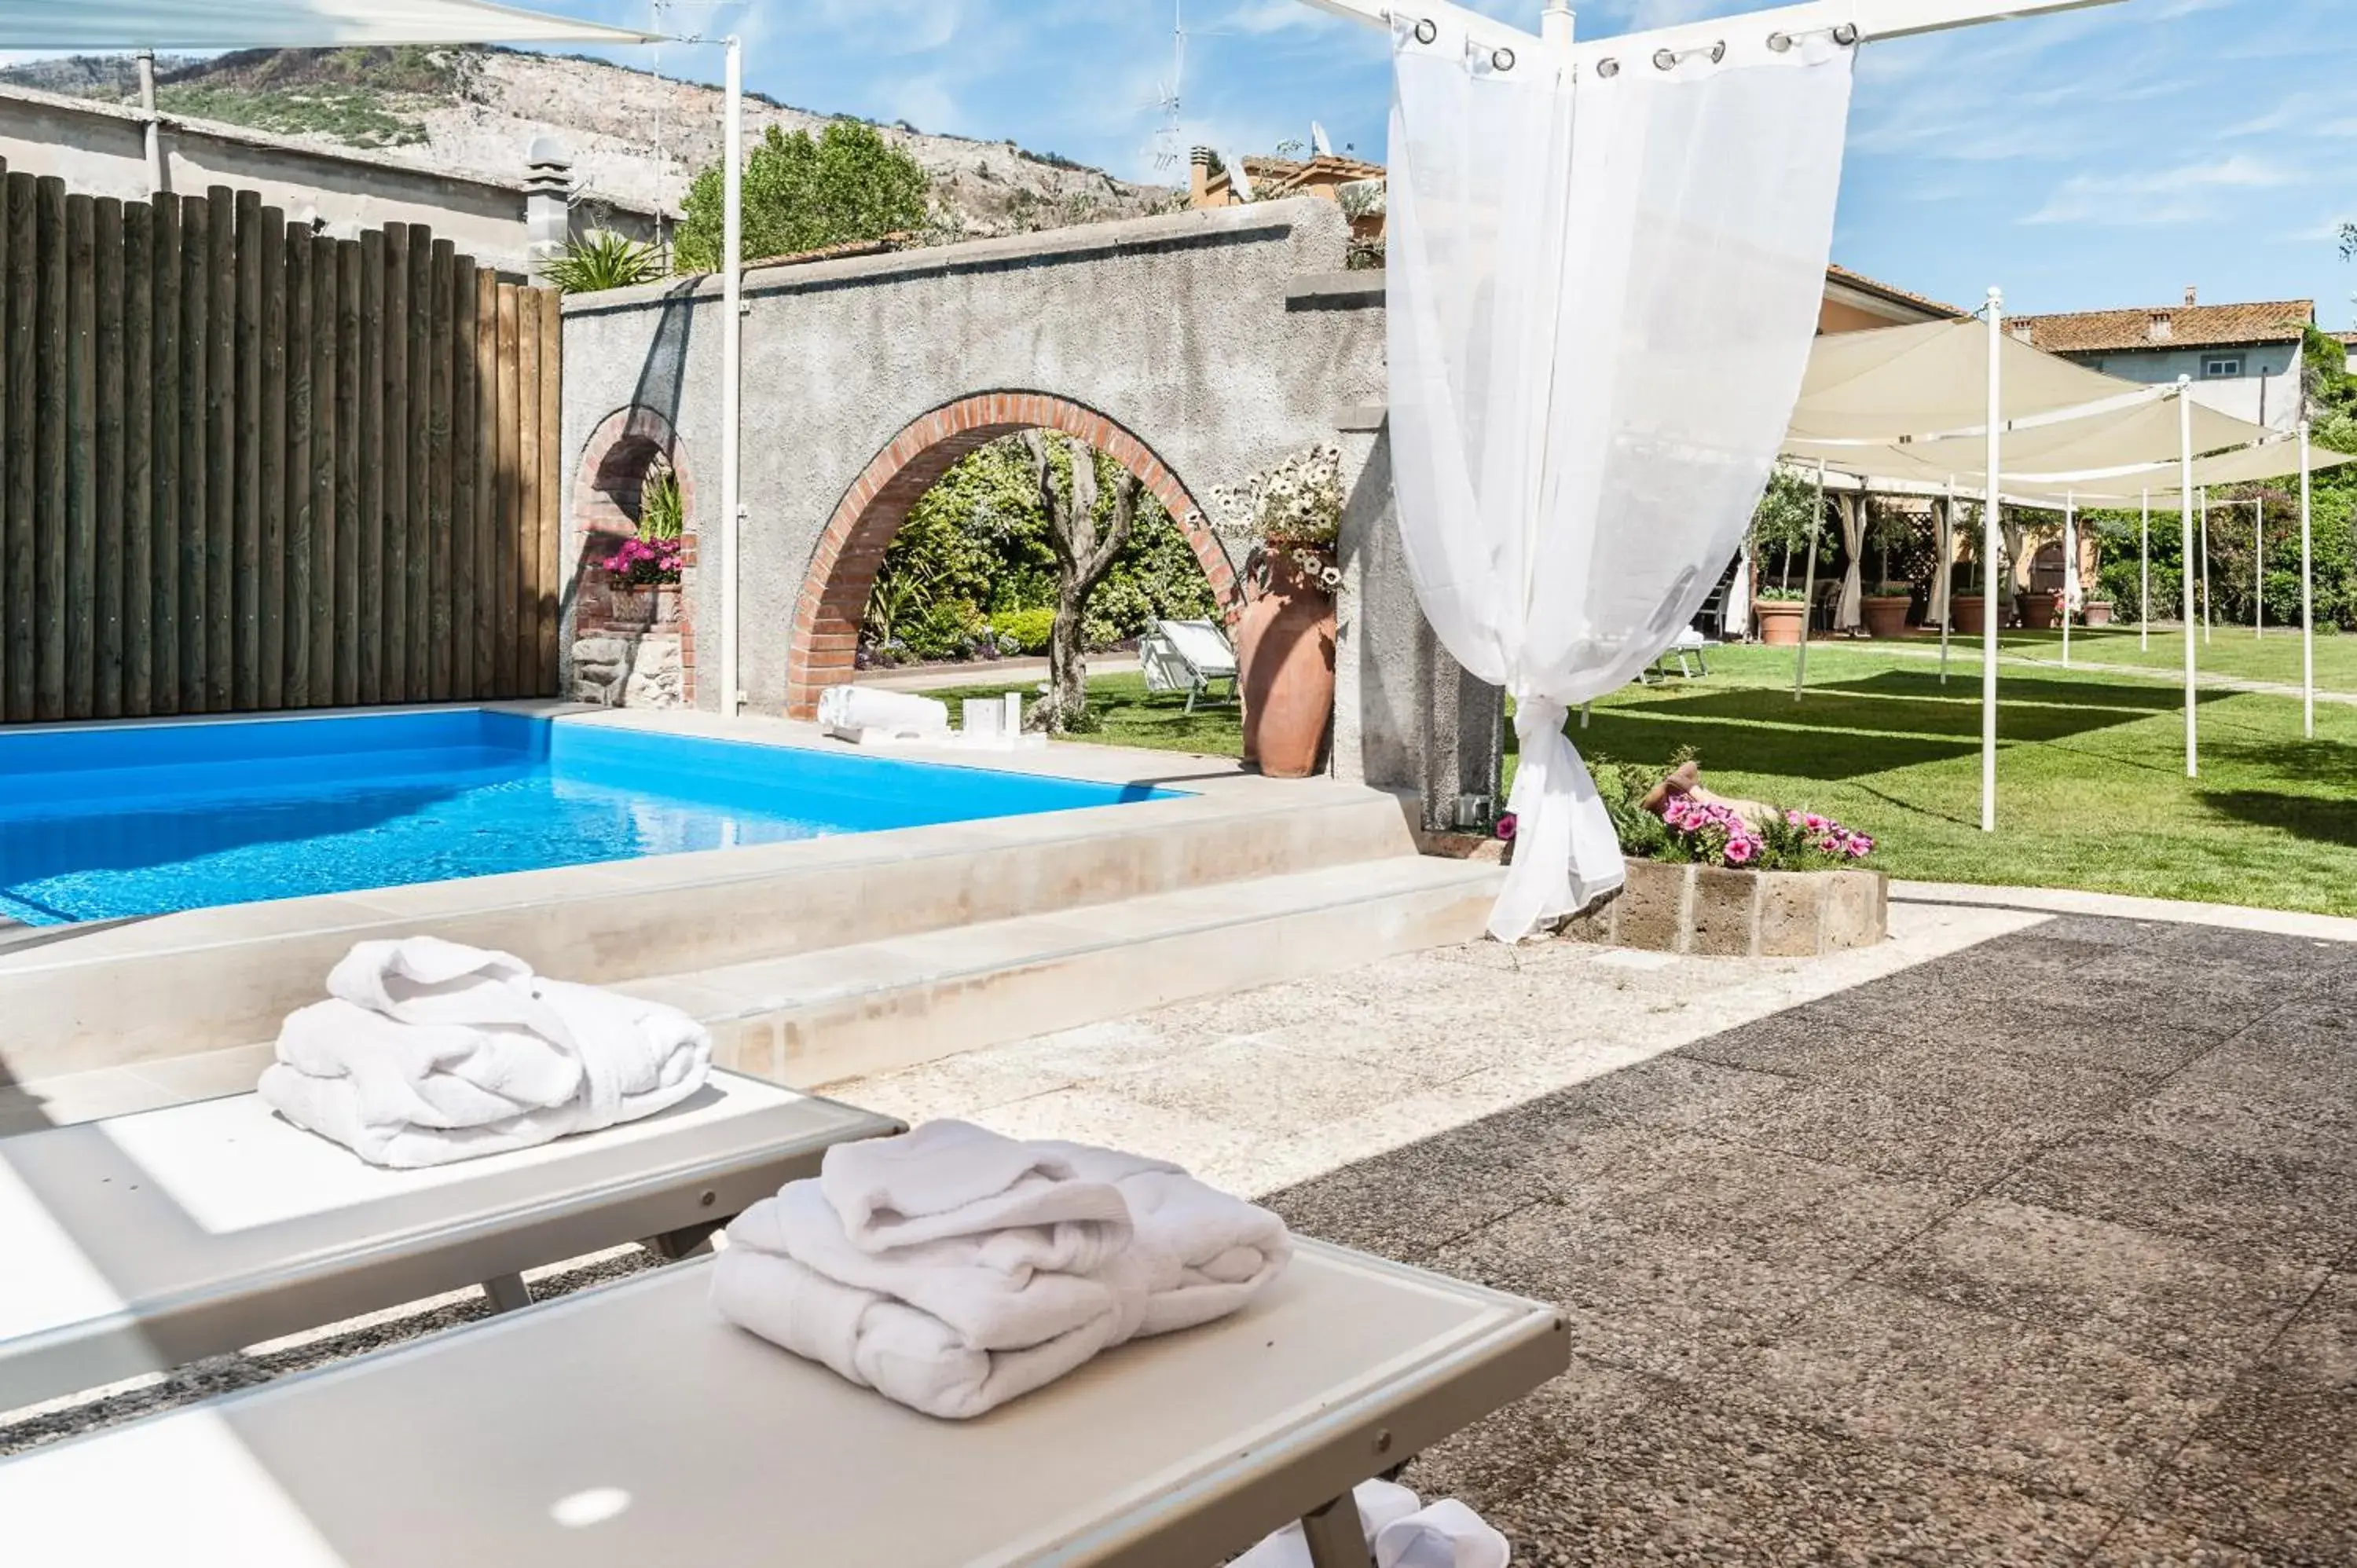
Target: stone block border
[[1715, 912]]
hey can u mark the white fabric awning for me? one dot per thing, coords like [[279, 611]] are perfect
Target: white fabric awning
[[285, 24], [1932, 381], [2096, 448]]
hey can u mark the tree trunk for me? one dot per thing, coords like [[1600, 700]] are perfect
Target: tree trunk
[[1084, 553]]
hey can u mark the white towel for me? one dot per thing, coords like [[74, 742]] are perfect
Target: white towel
[[952, 1178], [431, 1052], [1200, 1254], [1446, 1535], [1380, 1503], [873, 707]]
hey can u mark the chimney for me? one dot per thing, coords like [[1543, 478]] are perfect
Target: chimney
[[2192, 295], [1198, 177], [2162, 328], [547, 200]]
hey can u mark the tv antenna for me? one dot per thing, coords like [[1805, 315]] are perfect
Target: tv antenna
[[1170, 149]]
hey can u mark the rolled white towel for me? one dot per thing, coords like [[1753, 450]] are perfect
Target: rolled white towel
[[873, 707], [1200, 1254], [908, 1356], [1447, 1534], [952, 1178], [1000, 1290], [1379, 1503]]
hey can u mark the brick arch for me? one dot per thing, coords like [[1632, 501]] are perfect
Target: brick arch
[[613, 462], [851, 550]]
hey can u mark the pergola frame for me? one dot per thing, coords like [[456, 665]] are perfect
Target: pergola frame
[[1872, 19]]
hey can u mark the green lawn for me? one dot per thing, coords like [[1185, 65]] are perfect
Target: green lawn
[[2231, 650], [1134, 716], [2092, 790]]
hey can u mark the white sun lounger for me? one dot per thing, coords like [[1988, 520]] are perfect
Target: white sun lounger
[[138, 1243], [1186, 656], [630, 1426]]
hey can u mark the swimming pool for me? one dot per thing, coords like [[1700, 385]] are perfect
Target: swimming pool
[[151, 818]]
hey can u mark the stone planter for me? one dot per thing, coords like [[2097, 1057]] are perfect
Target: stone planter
[[1285, 651], [642, 605], [1886, 614], [1968, 614], [2098, 612], [1781, 621], [1715, 912], [2041, 611]]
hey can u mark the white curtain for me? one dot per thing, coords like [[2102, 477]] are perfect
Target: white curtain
[[1602, 291], [1852, 610]]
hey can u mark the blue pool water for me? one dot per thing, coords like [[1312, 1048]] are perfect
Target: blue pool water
[[147, 819]]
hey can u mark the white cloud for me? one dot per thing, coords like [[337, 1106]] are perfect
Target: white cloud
[[2186, 194]]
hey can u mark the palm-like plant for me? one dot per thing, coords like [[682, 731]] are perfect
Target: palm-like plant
[[605, 259]]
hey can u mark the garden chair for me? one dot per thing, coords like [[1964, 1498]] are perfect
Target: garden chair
[[140, 1242], [1186, 656], [631, 1424], [1691, 652]]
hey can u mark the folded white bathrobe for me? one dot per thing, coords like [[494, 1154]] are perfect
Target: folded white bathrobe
[[427, 1052], [953, 1178]]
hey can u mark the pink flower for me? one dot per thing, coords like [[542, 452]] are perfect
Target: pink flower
[[1506, 825], [1739, 851]]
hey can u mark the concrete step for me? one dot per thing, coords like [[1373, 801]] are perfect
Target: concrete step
[[817, 1018]]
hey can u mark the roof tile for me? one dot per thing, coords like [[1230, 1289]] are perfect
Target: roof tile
[[2168, 326]]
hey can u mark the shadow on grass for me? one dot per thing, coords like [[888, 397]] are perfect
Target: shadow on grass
[[2308, 817]]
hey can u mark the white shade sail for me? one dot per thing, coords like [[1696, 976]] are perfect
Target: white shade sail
[[2094, 449], [1932, 379], [285, 24]]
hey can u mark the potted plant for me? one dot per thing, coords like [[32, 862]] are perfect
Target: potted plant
[[1781, 614], [1886, 605], [1887, 608], [2098, 612], [2042, 609], [643, 572], [1285, 641]]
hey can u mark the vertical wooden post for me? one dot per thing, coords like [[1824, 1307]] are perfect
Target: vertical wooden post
[[222, 473], [106, 241], [138, 458], [418, 325], [326, 439], [195, 450], [513, 616], [370, 629], [463, 445], [164, 472], [81, 458], [246, 496], [50, 454], [349, 543], [24, 296], [439, 682], [294, 263], [393, 457], [527, 419], [270, 419], [487, 483], [552, 507]]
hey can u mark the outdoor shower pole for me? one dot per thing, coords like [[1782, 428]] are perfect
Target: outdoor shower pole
[[2143, 576], [2306, 594], [732, 365], [2185, 506], [1809, 586], [1992, 548]]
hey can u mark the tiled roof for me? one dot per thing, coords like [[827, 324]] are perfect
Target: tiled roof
[[1859, 280], [1271, 176], [2168, 326]]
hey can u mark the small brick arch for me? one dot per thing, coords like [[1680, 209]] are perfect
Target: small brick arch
[[605, 500], [842, 568]]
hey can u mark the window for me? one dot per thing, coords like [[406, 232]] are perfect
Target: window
[[2218, 366]]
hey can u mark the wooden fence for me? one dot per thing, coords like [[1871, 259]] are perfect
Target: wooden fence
[[244, 466]]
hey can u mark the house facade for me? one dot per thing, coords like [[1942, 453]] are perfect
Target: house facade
[[2243, 359]]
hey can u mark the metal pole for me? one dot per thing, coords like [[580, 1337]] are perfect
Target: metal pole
[[2205, 565], [1558, 24], [1992, 548], [2143, 576], [2307, 594], [2259, 565], [2185, 505], [732, 361], [1948, 565], [1809, 586], [2069, 568], [152, 133]]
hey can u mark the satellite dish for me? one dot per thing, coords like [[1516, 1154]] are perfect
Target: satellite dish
[[1318, 142], [1238, 181]]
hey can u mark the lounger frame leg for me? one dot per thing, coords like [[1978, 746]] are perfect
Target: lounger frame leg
[[689, 1242], [507, 1292], [1336, 1537]]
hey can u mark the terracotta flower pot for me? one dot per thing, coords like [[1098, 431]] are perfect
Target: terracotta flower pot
[[643, 604], [2099, 612], [1886, 615], [1970, 613], [1284, 650], [1779, 621], [2041, 611]]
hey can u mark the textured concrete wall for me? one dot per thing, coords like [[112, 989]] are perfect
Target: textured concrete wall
[[1193, 332]]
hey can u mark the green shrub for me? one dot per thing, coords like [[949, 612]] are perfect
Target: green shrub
[[605, 259], [1028, 629]]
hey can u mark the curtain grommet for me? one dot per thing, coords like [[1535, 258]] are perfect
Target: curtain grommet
[[1607, 69], [1427, 31], [1718, 52], [1665, 60], [1779, 43], [1501, 60], [1846, 34]]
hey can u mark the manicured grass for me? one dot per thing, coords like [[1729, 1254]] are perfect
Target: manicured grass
[[2231, 650], [2091, 785], [1157, 721]]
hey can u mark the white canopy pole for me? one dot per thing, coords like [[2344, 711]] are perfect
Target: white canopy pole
[[2143, 576], [2205, 565], [2307, 594], [2259, 565], [1809, 586], [1992, 542], [1948, 565], [2069, 568], [2185, 504], [732, 353]]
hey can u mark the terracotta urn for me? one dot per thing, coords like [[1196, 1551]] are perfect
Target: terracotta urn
[[1968, 614], [1779, 621], [643, 604], [2040, 610], [2099, 612], [1886, 614], [1284, 650]]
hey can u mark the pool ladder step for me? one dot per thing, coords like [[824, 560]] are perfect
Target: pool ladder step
[[816, 1018]]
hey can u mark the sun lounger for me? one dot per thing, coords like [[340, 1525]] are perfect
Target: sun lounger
[[1186, 656], [141, 1242], [1691, 645], [629, 1425]]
